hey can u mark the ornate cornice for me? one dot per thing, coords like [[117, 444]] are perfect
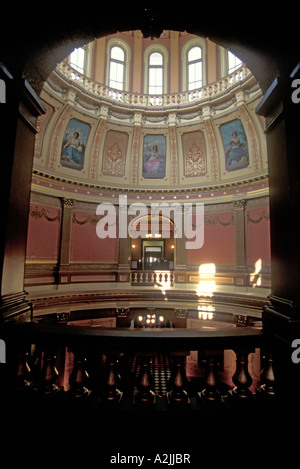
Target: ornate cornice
[[64, 185]]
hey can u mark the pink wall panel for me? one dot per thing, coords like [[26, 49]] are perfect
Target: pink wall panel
[[85, 245], [43, 233], [219, 241], [258, 236]]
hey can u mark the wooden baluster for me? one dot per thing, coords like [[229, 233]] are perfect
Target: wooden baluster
[[178, 395], [111, 394], [49, 375], [144, 395], [267, 388], [211, 393], [79, 379], [242, 378], [24, 380]]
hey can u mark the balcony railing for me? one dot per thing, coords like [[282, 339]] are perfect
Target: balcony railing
[[161, 278], [137, 100], [115, 379], [117, 366]]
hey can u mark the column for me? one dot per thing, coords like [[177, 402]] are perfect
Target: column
[[174, 62], [281, 316], [180, 255], [65, 239], [18, 115], [282, 134], [124, 259], [137, 86], [240, 242]]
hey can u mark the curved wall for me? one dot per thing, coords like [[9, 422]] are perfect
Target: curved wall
[[195, 140], [211, 149]]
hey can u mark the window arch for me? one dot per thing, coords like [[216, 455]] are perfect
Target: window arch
[[155, 73], [155, 68], [118, 56], [193, 64], [194, 68], [117, 68]]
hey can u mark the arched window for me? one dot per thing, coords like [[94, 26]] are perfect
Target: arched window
[[156, 73], [117, 68], [81, 59], [77, 59], [233, 62], [195, 69]]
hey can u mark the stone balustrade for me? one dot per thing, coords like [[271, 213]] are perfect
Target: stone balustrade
[[184, 99]]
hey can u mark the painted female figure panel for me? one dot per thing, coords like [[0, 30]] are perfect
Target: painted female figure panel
[[74, 144], [154, 156], [235, 145]]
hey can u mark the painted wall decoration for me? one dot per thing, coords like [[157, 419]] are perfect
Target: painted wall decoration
[[235, 145], [74, 144], [114, 154], [154, 156], [194, 154]]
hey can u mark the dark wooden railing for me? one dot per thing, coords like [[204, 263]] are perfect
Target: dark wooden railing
[[33, 350], [115, 370]]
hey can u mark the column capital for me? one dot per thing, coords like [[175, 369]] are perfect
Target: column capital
[[239, 204], [67, 203]]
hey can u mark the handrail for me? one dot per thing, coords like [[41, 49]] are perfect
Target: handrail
[[179, 339], [138, 100]]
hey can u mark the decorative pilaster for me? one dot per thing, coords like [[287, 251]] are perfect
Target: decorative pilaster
[[124, 259], [240, 242], [173, 149], [135, 148], [65, 239], [180, 254]]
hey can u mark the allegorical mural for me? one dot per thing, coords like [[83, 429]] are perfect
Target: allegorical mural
[[114, 154], [235, 145], [154, 156], [74, 144], [194, 154]]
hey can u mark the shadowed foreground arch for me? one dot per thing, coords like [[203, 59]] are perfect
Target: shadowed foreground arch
[[31, 50]]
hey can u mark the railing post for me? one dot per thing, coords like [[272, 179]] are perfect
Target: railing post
[[23, 372], [242, 378], [79, 378], [49, 375], [144, 395], [178, 395], [111, 394], [267, 388], [211, 393]]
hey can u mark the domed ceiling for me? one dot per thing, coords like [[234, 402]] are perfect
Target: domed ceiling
[[95, 141]]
